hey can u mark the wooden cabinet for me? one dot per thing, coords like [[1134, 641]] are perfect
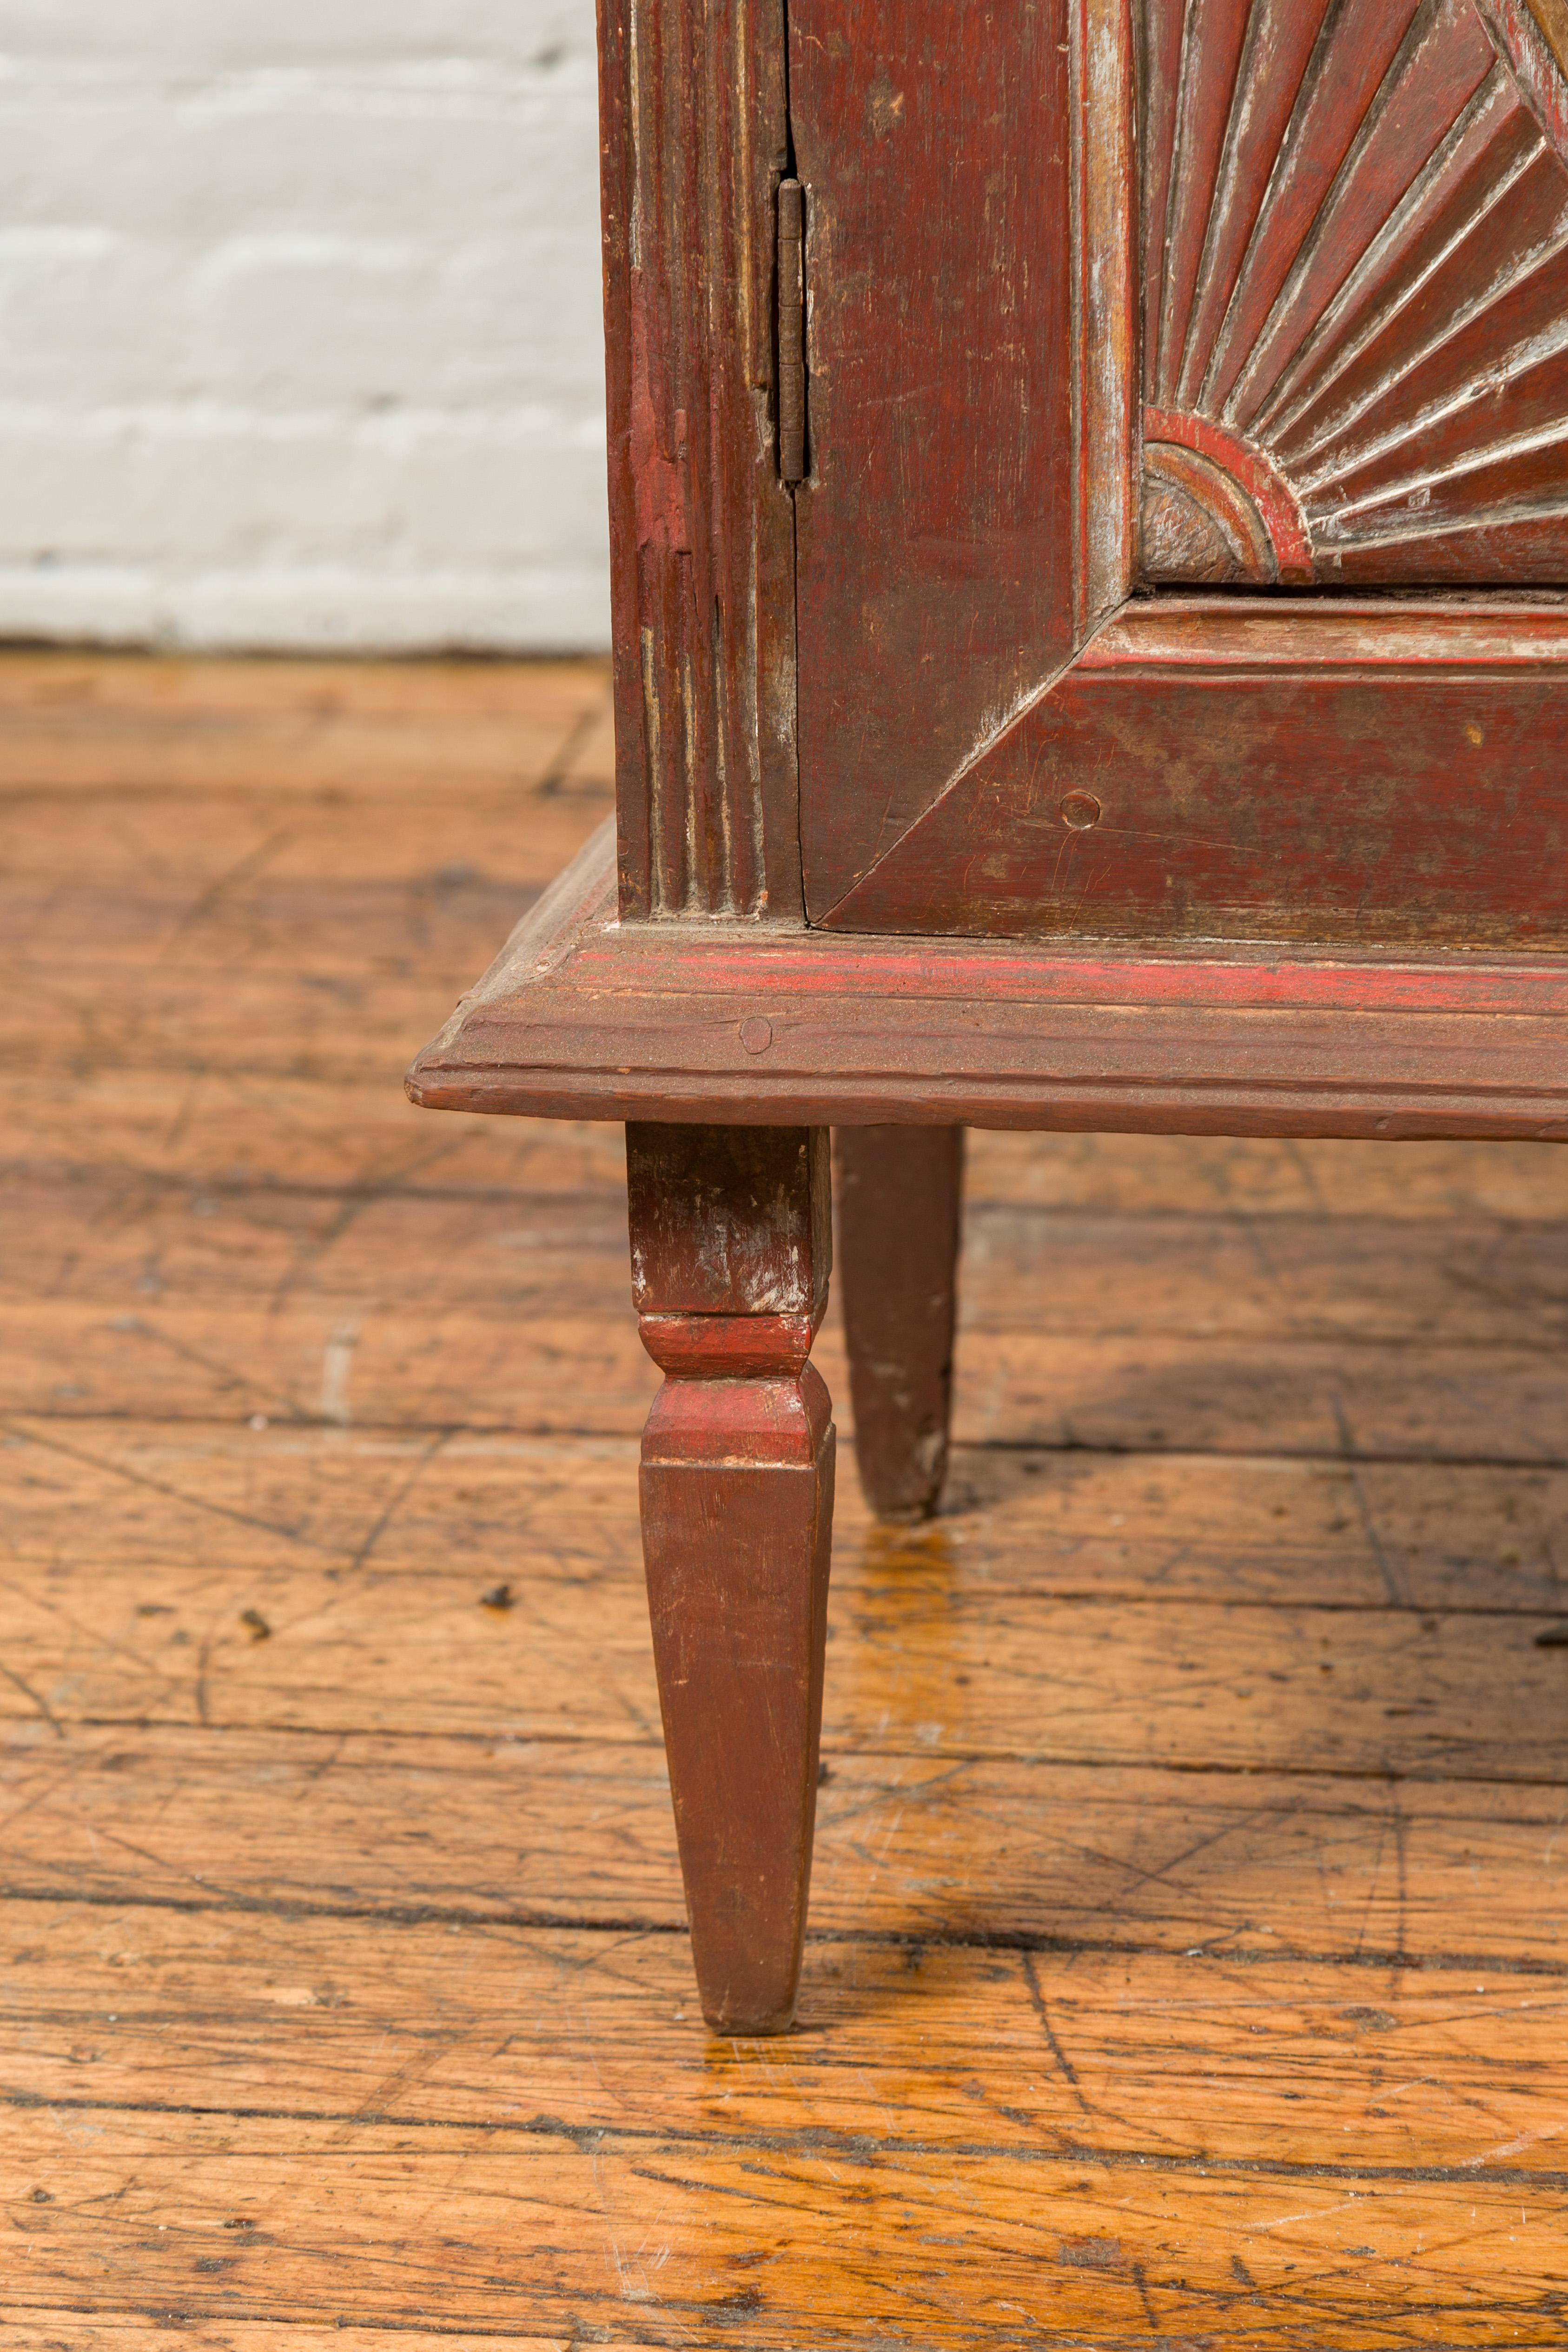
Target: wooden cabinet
[[1111, 309], [1089, 485], [1181, 546]]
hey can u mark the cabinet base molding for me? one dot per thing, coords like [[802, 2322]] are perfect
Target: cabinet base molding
[[585, 1016]]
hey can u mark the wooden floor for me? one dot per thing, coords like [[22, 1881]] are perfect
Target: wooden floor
[[1190, 1930]]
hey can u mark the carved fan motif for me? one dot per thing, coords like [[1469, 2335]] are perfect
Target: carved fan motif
[[1355, 290]]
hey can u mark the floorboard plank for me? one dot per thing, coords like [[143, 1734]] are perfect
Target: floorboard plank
[[1189, 1941], [199, 1126], [1172, 1175], [940, 1667], [42, 2330], [919, 1849], [131, 1495], [367, 1358], [599, 2232], [211, 1132], [83, 723], [1188, 2059], [457, 1247]]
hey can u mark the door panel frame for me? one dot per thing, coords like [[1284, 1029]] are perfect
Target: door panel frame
[[737, 800], [1301, 767]]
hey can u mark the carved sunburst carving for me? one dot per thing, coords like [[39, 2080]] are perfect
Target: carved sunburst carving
[[1355, 290]]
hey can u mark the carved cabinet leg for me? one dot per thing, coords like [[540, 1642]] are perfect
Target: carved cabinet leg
[[900, 1199], [731, 1242]]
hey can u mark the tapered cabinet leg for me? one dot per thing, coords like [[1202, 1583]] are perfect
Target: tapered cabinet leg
[[730, 1251], [900, 1203]]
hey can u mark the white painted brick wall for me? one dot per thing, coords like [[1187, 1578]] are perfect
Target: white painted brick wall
[[299, 332]]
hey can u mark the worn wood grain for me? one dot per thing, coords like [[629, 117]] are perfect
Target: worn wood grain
[[196, 1126], [988, 1852], [359, 1359], [37, 2329], [181, 855], [942, 1663], [142, 1239], [92, 723], [74, 1020], [1174, 1174], [950, 2047], [340, 1363], [1121, 1804], [225, 1286], [1470, 1698], [619, 2228], [428, 920], [154, 1496], [218, 1130]]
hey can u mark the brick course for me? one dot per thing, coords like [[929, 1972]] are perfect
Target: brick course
[[300, 335]]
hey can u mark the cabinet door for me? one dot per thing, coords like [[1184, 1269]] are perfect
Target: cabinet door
[[1183, 547]]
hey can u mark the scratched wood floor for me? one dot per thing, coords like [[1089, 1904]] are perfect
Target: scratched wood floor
[[1190, 1926]]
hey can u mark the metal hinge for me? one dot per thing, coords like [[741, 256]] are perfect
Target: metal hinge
[[792, 332]]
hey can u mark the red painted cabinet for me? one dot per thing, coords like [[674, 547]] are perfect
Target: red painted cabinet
[[1188, 490], [1185, 506], [1089, 487]]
